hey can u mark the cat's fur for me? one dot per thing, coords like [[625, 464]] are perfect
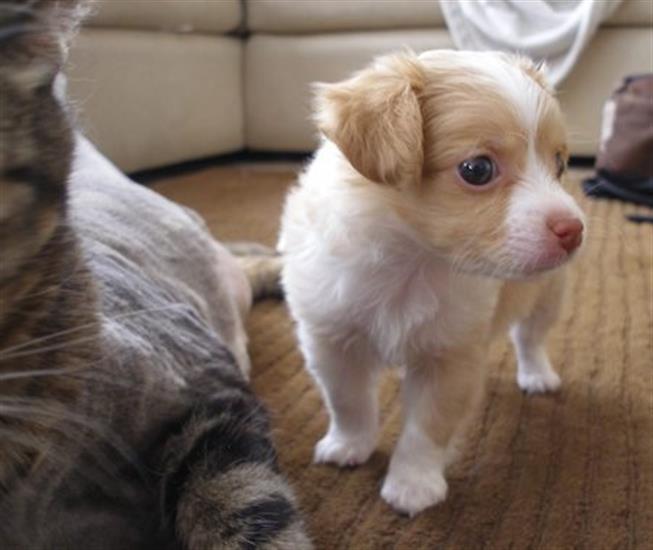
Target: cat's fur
[[125, 416]]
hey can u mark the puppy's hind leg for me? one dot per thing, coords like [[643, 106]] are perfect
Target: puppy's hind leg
[[534, 371], [347, 377]]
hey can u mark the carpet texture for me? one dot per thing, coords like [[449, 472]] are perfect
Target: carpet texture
[[571, 470]]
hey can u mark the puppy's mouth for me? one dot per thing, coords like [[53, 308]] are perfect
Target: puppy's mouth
[[546, 259], [516, 265], [546, 263]]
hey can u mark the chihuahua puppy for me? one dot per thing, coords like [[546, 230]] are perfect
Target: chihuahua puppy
[[431, 217]]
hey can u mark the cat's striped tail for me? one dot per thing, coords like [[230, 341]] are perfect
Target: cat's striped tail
[[222, 485]]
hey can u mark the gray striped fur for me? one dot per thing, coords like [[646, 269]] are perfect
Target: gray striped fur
[[125, 419]]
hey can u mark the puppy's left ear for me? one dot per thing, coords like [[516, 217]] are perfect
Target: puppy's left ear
[[375, 119]]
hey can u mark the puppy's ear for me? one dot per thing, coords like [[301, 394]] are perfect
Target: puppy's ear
[[375, 119]]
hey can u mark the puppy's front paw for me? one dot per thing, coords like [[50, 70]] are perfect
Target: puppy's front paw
[[411, 492], [541, 381], [343, 450]]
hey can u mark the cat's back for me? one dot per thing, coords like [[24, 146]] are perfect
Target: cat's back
[[169, 244], [162, 304]]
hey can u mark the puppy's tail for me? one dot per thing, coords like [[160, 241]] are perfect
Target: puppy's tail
[[262, 265]]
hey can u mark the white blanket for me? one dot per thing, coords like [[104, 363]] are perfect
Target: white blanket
[[554, 31]]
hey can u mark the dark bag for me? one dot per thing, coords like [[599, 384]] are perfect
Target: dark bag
[[624, 164]]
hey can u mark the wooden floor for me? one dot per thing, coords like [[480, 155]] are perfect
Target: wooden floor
[[574, 470]]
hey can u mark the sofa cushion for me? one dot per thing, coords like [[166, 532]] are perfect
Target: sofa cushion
[[304, 16], [148, 99], [174, 15], [632, 13]]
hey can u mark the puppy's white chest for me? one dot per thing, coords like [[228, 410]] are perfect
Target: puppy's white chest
[[416, 311]]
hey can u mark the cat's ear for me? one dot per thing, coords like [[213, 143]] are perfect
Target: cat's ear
[[34, 39], [375, 119], [63, 18], [40, 29]]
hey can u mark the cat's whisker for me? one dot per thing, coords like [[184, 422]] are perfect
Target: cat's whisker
[[6, 376], [4, 353]]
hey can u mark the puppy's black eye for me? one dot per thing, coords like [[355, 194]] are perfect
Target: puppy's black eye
[[477, 170], [561, 165]]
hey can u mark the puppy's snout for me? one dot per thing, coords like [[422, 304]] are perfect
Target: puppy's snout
[[568, 231]]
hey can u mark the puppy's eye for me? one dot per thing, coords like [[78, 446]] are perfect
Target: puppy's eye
[[561, 165], [477, 171]]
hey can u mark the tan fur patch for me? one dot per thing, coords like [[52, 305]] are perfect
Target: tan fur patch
[[375, 119]]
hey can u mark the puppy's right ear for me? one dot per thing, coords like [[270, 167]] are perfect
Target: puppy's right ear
[[375, 119]]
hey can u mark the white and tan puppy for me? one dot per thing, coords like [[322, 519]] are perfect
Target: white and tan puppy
[[431, 217]]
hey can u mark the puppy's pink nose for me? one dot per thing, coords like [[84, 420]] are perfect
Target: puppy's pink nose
[[569, 232]]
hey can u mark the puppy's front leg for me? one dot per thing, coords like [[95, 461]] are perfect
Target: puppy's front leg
[[438, 397], [534, 371], [347, 376]]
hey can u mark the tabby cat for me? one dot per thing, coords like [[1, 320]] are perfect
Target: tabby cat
[[125, 417]]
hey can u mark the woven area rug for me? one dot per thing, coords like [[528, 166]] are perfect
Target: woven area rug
[[571, 470]]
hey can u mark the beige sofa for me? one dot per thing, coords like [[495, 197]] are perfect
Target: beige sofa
[[160, 82]]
